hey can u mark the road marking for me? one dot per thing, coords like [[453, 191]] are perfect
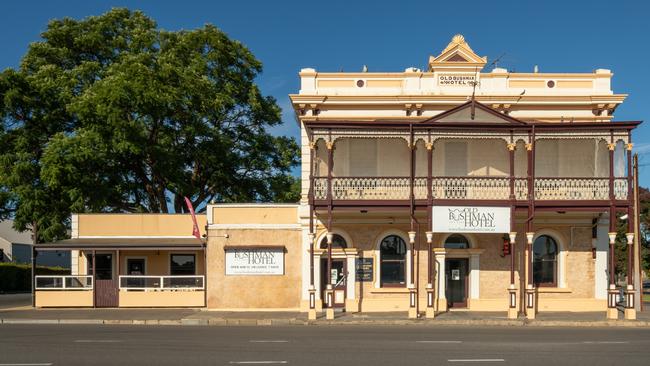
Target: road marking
[[606, 342], [97, 341], [438, 341], [268, 341], [478, 360], [26, 364], [256, 362]]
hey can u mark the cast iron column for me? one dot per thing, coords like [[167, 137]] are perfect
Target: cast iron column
[[630, 310], [612, 294], [310, 197], [329, 293]]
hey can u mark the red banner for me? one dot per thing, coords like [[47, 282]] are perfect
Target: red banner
[[195, 230]]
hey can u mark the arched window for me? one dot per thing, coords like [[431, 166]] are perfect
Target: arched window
[[456, 241], [545, 250], [337, 242], [392, 261]]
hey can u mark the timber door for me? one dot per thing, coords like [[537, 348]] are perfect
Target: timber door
[[106, 287], [456, 274], [339, 280]]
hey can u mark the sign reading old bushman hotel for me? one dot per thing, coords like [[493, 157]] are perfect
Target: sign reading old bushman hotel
[[423, 191]]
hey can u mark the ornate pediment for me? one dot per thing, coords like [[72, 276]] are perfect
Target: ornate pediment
[[473, 112], [458, 54]]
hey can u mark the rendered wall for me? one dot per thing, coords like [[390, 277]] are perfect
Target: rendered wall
[[64, 298], [171, 299], [137, 225], [262, 225]]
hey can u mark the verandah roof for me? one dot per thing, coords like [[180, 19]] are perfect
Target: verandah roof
[[161, 243]]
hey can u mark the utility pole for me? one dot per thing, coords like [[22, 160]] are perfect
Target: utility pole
[[34, 254], [638, 280]]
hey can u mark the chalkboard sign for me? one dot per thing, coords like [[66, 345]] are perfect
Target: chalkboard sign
[[364, 269]]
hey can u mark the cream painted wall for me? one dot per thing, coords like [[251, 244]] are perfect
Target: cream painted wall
[[276, 292], [121, 225]]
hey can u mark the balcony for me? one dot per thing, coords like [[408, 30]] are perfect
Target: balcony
[[469, 188]]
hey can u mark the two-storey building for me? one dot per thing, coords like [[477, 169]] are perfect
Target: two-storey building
[[457, 187], [461, 187]]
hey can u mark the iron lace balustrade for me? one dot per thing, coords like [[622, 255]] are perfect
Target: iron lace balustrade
[[370, 188], [578, 189], [470, 188]]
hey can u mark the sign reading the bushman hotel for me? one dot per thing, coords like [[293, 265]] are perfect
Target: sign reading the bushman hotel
[[464, 219], [254, 261]]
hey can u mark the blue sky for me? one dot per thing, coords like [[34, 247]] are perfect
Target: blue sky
[[559, 36]]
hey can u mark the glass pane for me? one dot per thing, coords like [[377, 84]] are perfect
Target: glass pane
[[49, 282], [337, 242], [183, 264], [140, 282], [456, 241], [104, 264], [544, 272], [393, 248], [545, 248], [393, 273], [135, 266], [171, 282], [78, 282]]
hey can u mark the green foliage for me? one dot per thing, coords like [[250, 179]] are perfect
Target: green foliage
[[17, 277], [112, 114]]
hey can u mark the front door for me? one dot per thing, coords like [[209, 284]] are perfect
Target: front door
[[456, 274], [106, 289], [338, 278]]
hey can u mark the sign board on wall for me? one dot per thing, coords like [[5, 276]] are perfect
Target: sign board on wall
[[467, 219], [254, 261], [456, 79], [364, 269]]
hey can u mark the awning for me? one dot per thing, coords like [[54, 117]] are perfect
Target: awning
[[158, 243]]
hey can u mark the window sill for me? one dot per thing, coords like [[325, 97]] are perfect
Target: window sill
[[390, 290], [551, 290]]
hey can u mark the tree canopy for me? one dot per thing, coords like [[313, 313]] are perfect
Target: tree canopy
[[112, 114]]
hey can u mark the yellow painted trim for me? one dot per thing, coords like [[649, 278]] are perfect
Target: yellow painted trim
[[575, 84], [554, 290], [527, 83], [336, 83], [383, 83], [454, 99], [389, 290]]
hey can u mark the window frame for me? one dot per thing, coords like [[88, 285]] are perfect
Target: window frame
[[405, 261], [323, 242], [556, 263], [469, 244], [171, 255], [89, 265]]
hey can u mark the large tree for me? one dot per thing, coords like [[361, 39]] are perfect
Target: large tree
[[112, 114]]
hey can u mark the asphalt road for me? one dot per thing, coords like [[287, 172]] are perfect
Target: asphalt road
[[319, 345]]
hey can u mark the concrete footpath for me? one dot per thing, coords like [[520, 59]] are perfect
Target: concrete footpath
[[218, 318]]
